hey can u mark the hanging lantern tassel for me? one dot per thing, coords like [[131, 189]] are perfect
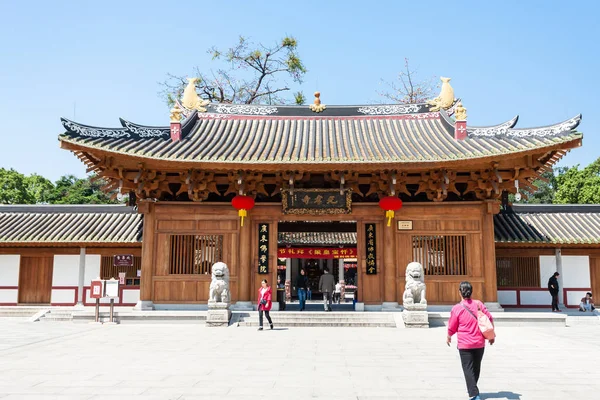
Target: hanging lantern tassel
[[390, 204], [242, 213], [242, 204], [389, 214]]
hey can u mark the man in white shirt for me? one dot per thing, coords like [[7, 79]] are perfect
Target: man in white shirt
[[587, 303]]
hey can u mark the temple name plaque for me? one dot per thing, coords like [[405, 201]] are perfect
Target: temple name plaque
[[317, 201]]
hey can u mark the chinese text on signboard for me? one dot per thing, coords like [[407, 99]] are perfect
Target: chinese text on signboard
[[123, 260], [317, 201], [263, 248], [316, 252], [371, 247]]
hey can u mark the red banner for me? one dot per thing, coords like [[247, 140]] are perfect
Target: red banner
[[316, 252]]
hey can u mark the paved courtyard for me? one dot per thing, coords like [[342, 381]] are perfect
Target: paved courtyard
[[186, 361]]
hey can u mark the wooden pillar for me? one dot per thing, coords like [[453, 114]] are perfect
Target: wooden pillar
[[147, 265], [389, 264], [245, 261], [490, 287]]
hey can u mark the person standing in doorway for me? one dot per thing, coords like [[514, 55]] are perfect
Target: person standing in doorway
[[281, 294], [302, 286], [265, 303], [471, 342], [327, 286], [553, 289], [308, 293]]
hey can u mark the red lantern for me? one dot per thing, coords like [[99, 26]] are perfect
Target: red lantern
[[242, 204], [390, 204]]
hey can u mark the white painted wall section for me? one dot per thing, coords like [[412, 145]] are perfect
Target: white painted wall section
[[9, 269], [92, 268], [62, 296], [131, 296], [576, 272], [547, 268], [65, 271], [507, 297], [535, 298]]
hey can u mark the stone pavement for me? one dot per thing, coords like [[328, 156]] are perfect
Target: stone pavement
[[157, 361]]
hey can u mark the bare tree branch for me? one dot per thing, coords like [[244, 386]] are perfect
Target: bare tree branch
[[409, 90]]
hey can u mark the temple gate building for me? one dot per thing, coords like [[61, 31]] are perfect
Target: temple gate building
[[363, 190]]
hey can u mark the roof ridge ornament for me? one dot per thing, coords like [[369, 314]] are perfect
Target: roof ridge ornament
[[190, 99], [445, 99], [317, 106]]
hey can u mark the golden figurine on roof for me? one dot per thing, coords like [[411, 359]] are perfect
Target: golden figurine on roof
[[190, 99], [460, 112], [445, 98]]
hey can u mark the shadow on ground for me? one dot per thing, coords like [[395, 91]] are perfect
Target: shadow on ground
[[500, 395]]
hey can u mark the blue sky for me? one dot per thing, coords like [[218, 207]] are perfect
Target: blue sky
[[98, 61]]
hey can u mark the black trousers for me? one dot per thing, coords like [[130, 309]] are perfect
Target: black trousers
[[554, 300], [260, 318], [471, 365]]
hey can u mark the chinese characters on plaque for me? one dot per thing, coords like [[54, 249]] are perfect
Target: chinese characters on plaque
[[123, 260], [371, 249], [317, 201], [316, 252], [263, 248]]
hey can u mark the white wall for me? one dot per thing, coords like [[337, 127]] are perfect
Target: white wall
[[132, 296], [507, 297], [66, 269], [576, 272], [9, 269], [547, 268], [574, 297], [530, 298], [9, 276], [63, 296]]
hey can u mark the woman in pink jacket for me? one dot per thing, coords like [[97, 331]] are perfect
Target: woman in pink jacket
[[265, 295], [471, 343]]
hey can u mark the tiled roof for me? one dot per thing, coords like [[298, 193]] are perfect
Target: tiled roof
[[317, 238], [549, 224], [69, 224], [229, 134]]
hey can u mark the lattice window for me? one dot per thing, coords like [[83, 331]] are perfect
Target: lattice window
[[441, 254], [518, 272], [194, 254], [108, 270]]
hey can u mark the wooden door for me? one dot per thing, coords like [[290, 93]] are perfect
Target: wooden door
[[595, 278], [35, 280]]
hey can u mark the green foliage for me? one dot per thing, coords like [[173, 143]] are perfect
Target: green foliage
[[579, 186], [16, 188], [251, 74], [299, 98], [13, 188]]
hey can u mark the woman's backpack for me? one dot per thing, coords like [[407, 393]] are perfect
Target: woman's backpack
[[485, 325]]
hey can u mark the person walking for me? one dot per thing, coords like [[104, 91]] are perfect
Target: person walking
[[553, 289], [265, 294], [338, 293], [302, 286], [471, 342], [327, 286]]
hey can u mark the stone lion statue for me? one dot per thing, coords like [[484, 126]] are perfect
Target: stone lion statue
[[219, 285], [414, 292]]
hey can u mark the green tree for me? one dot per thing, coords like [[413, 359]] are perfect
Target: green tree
[[71, 190], [249, 74], [579, 186], [13, 188], [39, 188]]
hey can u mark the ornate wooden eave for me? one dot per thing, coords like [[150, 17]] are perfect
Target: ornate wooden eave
[[388, 147]]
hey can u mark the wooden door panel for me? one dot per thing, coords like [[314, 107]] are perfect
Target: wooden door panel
[[595, 278], [35, 280]]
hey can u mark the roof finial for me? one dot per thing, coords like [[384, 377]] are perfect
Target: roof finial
[[317, 106], [460, 113], [176, 112], [445, 98], [190, 99]]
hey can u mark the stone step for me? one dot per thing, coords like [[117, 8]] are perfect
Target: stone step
[[321, 319], [322, 324], [20, 312], [155, 316]]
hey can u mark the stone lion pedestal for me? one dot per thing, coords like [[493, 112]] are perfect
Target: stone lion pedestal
[[414, 302], [219, 314]]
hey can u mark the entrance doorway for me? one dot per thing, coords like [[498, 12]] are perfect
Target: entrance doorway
[[35, 280], [316, 246]]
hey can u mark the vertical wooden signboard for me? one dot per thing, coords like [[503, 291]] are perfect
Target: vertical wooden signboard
[[371, 248], [263, 248]]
